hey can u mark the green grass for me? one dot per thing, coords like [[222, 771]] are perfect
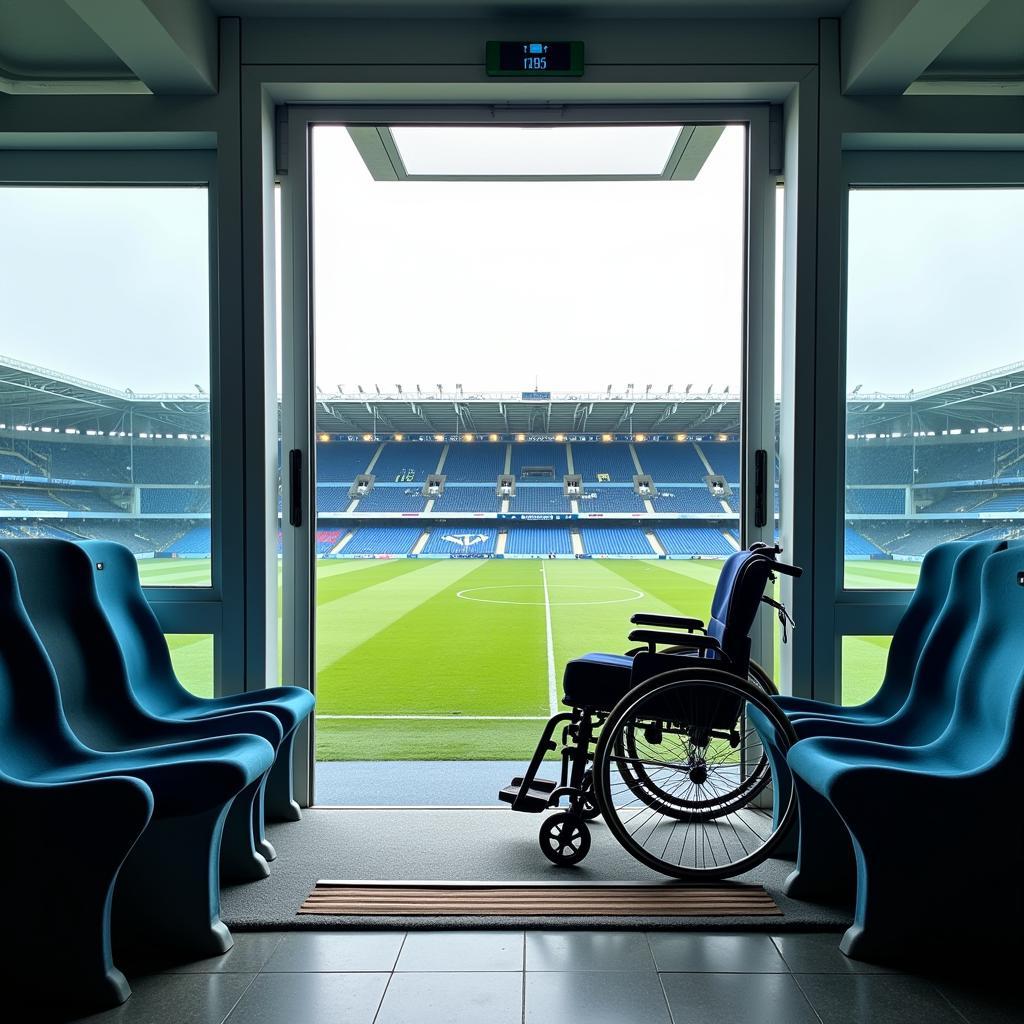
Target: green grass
[[464, 641]]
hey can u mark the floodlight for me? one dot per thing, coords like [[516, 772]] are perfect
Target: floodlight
[[492, 437], [325, 438], [723, 437], [399, 437], [367, 437], [559, 437], [680, 437], [639, 437], [520, 437], [467, 437], [439, 437], [606, 437]]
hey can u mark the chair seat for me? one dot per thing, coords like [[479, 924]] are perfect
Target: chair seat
[[291, 705], [597, 680]]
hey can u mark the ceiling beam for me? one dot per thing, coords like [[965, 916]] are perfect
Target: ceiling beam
[[170, 44], [888, 44]]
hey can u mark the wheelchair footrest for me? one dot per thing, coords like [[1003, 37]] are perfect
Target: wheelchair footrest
[[534, 799]]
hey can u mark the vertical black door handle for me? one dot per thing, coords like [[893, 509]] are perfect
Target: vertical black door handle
[[295, 487], [760, 488]]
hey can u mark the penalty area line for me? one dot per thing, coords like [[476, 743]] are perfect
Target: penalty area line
[[552, 688]]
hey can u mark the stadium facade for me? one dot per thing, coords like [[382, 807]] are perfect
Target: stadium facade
[[516, 475]]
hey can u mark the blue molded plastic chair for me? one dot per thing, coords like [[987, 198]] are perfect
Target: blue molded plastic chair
[[157, 687], [167, 898], [57, 902], [825, 866], [935, 832], [908, 641], [56, 582]]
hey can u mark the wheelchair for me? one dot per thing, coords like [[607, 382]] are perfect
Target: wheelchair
[[673, 742]]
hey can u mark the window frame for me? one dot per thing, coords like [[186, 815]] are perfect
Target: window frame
[[198, 609], [877, 611]]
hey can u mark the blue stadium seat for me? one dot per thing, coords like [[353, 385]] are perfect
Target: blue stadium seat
[[474, 462], [332, 499], [615, 540], [703, 541], [73, 917], [875, 500], [608, 462], [166, 901], [687, 499], [342, 461], [611, 499], [195, 541], [671, 462], [382, 540], [856, 545], [538, 540], [463, 539], [392, 499], [401, 462], [539, 455], [155, 685], [536, 498], [94, 671], [922, 889], [463, 498], [175, 500]]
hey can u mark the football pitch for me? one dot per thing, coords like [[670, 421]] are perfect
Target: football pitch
[[451, 659]]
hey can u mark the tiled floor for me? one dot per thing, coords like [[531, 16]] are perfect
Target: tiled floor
[[541, 977]]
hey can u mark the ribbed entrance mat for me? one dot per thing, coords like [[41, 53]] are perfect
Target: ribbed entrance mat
[[538, 899]]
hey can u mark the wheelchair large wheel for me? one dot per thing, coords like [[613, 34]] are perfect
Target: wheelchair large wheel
[[750, 778], [694, 735]]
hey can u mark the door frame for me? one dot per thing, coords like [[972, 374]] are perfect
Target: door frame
[[294, 125]]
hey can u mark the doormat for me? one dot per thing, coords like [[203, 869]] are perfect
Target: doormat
[[538, 899]]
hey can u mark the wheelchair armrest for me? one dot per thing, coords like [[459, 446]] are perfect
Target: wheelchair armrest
[[671, 621], [691, 641]]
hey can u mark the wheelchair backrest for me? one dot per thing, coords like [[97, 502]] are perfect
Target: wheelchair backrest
[[741, 585]]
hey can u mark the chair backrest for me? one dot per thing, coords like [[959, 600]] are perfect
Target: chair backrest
[[143, 644], [987, 727], [56, 582], [737, 598], [915, 626], [932, 697], [34, 733]]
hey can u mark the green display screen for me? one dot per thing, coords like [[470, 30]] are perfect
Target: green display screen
[[530, 59]]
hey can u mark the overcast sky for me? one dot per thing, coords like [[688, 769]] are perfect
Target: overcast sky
[[566, 286]]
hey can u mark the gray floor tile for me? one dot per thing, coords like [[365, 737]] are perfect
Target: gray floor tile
[[588, 951], [248, 955], [614, 998], [693, 951], [453, 998], [997, 1000], [819, 953], [336, 952], [176, 998], [462, 951], [311, 999], [878, 998], [737, 999]]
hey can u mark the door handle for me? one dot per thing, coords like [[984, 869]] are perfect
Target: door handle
[[295, 487], [760, 488]]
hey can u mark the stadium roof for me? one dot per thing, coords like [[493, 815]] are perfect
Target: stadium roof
[[35, 396]]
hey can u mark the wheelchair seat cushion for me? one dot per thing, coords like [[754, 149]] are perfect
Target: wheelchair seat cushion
[[596, 680]]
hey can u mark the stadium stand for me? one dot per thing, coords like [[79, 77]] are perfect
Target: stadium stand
[[611, 499], [539, 455], [603, 463], [332, 499], [687, 499], [195, 541], [672, 462], [406, 463], [326, 540], [539, 499], [538, 540], [875, 500], [171, 463], [1004, 503], [25, 498], [615, 540], [174, 500], [383, 540], [464, 498], [858, 546], [724, 457], [875, 463], [342, 461], [392, 499], [14, 464], [461, 540], [474, 463], [693, 540], [958, 501]]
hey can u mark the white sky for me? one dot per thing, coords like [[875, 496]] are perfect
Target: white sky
[[497, 285]]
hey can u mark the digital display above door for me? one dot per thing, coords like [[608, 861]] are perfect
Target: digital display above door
[[534, 59]]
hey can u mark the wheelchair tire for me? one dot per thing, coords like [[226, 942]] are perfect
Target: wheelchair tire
[[705, 825]]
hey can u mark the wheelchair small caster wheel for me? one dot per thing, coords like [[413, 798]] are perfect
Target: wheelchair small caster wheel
[[565, 839]]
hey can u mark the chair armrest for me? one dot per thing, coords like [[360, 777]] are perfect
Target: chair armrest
[[691, 641], [671, 621]]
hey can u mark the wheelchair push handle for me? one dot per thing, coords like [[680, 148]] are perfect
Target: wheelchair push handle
[[787, 570]]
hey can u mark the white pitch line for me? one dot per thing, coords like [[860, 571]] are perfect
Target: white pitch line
[[442, 718], [552, 688]]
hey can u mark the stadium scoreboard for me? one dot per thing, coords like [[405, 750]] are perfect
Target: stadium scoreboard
[[525, 59]]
